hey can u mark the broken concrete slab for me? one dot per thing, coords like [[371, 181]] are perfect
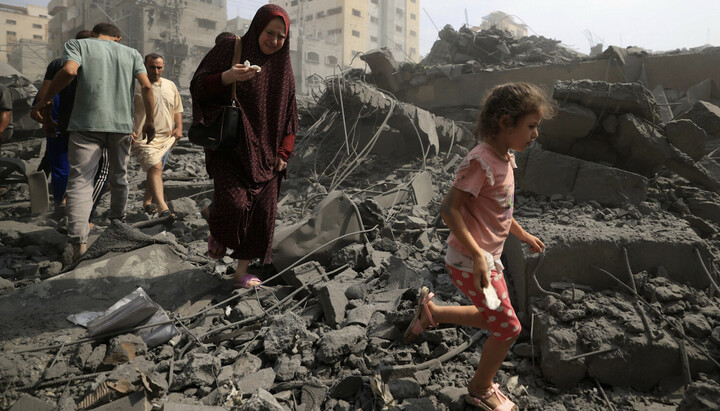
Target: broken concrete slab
[[664, 109], [260, 380], [332, 299], [547, 173], [160, 271], [687, 137], [412, 129], [604, 97], [587, 242], [262, 400], [572, 122], [30, 403], [338, 343], [383, 66], [644, 149], [305, 274], [332, 218], [706, 116]]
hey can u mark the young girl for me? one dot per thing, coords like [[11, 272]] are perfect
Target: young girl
[[478, 210]]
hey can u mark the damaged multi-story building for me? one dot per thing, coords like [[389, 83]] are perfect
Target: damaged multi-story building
[[330, 35], [24, 37], [182, 31]]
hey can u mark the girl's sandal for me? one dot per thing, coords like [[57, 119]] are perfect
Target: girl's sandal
[[480, 402], [415, 328]]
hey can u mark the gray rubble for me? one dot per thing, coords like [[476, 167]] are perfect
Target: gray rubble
[[622, 310]]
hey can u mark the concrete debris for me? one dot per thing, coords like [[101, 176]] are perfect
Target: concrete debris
[[623, 187], [23, 92], [495, 48]]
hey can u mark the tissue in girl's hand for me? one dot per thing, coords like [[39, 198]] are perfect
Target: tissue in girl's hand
[[491, 298]]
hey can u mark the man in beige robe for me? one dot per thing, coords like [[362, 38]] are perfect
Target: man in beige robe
[[168, 129]]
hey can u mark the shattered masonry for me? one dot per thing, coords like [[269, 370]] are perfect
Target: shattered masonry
[[621, 311]]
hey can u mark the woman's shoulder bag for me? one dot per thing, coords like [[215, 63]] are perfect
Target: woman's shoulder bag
[[225, 131]]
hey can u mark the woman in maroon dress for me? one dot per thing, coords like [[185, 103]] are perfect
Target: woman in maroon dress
[[247, 177]]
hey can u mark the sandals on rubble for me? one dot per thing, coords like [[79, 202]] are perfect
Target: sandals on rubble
[[150, 208], [415, 328], [166, 213], [479, 402], [215, 249]]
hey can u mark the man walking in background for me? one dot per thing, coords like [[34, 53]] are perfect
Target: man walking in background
[[56, 150], [102, 116], [168, 129]]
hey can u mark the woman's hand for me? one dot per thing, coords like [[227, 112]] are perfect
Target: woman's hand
[[481, 274], [280, 164], [536, 246], [238, 72]]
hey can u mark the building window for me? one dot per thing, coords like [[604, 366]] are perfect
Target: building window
[[11, 33], [13, 22], [293, 3], [412, 51], [373, 19], [356, 13], [373, 38], [413, 33], [355, 33], [308, 17], [320, 14], [331, 60], [37, 37], [312, 57], [413, 1], [206, 24], [374, 1], [334, 31], [336, 10], [398, 29], [413, 16], [37, 26], [399, 11]]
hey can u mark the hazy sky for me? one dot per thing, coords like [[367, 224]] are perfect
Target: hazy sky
[[658, 25]]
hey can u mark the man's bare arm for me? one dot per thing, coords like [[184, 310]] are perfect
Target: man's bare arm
[[61, 80], [40, 97], [178, 130], [149, 102]]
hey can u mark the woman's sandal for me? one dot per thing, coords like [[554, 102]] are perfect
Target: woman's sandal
[[415, 328], [215, 249], [505, 403], [243, 281]]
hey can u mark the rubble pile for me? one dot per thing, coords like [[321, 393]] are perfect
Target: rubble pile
[[495, 49], [621, 311]]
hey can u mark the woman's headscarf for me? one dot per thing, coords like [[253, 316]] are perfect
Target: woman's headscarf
[[267, 100]]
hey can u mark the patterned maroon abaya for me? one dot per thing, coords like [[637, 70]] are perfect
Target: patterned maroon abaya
[[245, 178]]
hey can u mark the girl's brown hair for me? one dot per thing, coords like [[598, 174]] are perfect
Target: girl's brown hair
[[514, 100]]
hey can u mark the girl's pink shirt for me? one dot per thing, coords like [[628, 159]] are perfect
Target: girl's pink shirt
[[488, 213]]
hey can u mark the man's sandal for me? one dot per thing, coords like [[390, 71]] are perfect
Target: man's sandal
[[150, 209], [479, 402], [415, 328]]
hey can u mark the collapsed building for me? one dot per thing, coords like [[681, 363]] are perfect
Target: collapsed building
[[620, 312]]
